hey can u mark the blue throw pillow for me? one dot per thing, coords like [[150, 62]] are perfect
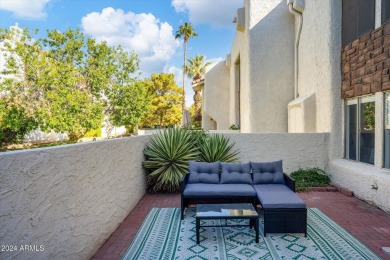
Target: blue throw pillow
[[203, 172], [236, 173], [267, 172]]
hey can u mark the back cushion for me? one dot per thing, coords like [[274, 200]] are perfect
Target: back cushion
[[203, 172], [267, 172], [236, 173]]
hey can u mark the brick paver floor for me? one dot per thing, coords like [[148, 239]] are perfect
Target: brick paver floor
[[367, 223]]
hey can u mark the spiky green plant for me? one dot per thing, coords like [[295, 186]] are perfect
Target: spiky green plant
[[167, 158], [217, 148]]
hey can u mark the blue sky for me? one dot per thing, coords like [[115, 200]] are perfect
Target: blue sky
[[146, 26]]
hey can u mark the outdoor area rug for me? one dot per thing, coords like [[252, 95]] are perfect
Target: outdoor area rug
[[164, 236]]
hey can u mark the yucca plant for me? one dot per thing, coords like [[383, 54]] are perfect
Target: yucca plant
[[216, 147], [167, 158]]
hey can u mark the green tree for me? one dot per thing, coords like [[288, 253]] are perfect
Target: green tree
[[130, 105], [196, 70], [186, 31], [194, 113], [67, 81], [165, 105], [196, 67]]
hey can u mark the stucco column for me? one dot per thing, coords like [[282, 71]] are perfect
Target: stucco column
[[379, 126], [378, 13]]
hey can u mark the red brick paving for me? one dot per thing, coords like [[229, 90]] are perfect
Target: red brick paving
[[367, 223]]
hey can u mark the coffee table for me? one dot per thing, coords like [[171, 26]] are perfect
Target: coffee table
[[227, 211]]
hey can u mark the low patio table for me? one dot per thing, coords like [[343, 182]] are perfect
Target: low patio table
[[226, 212]]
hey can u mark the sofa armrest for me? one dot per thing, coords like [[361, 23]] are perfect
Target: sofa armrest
[[184, 182], [289, 182]]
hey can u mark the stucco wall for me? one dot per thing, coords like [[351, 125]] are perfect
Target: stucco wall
[[216, 95], [68, 199], [319, 67], [271, 72], [366, 181], [296, 150]]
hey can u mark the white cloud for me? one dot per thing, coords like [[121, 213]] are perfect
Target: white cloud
[[218, 13], [31, 9], [151, 39]]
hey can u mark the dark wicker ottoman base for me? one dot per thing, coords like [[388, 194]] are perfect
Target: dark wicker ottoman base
[[285, 220]]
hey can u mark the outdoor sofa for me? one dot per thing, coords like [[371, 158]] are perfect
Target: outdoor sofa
[[262, 184]]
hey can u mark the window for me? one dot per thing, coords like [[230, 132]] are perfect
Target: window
[[385, 10], [360, 130], [358, 19], [387, 131]]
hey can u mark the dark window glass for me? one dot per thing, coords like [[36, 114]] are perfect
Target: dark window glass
[[387, 132], [358, 19], [351, 128], [385, 10], [367, 132]]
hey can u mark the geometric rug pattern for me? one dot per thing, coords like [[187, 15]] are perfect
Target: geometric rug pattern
[[164, 236]]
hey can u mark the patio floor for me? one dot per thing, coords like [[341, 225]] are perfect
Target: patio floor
[[368, 223]]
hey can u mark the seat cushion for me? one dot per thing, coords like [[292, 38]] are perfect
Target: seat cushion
[[267, 172], [236, 173], [278, 196], [201, 190], [203, 172]]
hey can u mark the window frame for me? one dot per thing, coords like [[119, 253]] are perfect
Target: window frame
[[356, 101], [386, 95]]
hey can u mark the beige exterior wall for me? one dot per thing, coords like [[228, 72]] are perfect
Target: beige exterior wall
[[265, 68], [68, 199], [296, 150], [216, 98]]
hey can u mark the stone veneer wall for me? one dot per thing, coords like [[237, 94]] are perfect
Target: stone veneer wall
[[68, 199], [366, 64]]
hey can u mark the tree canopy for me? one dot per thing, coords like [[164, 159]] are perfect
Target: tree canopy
[[165, 106], [66, 82]]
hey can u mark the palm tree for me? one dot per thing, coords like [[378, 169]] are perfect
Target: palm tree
[[196, 69], [186, 31]]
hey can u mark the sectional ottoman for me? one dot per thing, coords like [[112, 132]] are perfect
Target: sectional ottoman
[[256, 183]]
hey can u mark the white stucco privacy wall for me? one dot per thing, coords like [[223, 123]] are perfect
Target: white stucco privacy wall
[[296, 150], [68, 199]]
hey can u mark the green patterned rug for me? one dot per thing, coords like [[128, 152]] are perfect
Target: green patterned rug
[[164, 236]]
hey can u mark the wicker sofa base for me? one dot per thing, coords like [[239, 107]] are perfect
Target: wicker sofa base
[[284, 220]]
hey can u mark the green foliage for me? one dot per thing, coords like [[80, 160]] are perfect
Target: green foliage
[[94, 133], [313, 177], [169, 152], [132, 105], [165, 105], [65, 82], [167, 157], [216, 147], [196, 67], [234, 127], [196, 120]]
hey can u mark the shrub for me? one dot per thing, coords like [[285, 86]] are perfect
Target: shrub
[[313, 177], [216, 147], [167, 158], [169, 152]]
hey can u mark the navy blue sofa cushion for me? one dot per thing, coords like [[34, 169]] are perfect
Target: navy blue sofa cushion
[[203, 172], [274, 196], [203, 190], [267, 172], [235, 173]]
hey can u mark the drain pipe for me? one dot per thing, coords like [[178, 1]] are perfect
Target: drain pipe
[[297, 13]]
